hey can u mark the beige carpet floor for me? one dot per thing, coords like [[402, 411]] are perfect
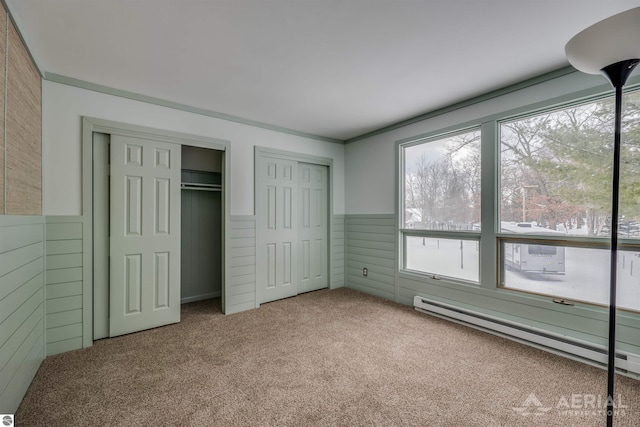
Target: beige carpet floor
[[326, 358]]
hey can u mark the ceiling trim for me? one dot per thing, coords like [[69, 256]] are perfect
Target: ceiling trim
[[471, 101], [70, 81]]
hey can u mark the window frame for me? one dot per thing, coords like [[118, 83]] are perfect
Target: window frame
[[444, 234], [567, 241], [490, 235]]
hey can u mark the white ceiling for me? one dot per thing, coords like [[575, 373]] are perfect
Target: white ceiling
[[332, 68]]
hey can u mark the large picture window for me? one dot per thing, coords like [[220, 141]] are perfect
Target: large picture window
[[441, 205], [552, 192], [555, 202]]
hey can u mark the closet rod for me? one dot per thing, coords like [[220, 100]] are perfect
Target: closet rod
[[197, 184], [186, 187], [217, 190]]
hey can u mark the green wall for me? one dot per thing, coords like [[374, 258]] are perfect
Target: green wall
[[22, 306]]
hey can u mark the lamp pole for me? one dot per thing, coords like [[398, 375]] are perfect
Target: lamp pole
[[617, 74], [610, 47]]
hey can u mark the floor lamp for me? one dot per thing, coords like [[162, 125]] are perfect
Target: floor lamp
[[610, 47]]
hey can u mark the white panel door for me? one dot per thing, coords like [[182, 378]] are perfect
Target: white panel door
[[144, 235], [313, 227], [277, 275]]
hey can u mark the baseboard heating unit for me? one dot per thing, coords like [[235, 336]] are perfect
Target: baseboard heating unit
[[593, 354]]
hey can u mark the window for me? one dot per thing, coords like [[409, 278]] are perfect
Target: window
[[552, 191], [448, 257], [441, 205], [555, 202]]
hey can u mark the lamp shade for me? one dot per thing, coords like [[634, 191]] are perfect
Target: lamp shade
[[607, 42]]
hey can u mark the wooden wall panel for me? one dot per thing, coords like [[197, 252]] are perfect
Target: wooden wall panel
[[337, 257], [3, 62], [241, 262], [370, 243], [22, 343], [63, 285], [23, 145]]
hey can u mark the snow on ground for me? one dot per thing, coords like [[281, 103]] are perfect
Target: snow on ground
[[586, 275], [444, 257]]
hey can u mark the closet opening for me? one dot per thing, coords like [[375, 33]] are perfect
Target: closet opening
[[151, 283], [201, 193]]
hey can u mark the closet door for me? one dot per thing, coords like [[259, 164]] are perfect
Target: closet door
[[313, 227], [145, 234], [277, 274]]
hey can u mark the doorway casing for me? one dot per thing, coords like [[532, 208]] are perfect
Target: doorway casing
[[91, 125], [262, 153]]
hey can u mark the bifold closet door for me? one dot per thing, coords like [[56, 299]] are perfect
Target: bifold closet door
[[144, 234], [277, 272]]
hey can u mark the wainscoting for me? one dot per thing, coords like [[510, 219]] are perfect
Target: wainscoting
[[22, 322], [241, 262], [371, 244], [64, 273], [337, 251]]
